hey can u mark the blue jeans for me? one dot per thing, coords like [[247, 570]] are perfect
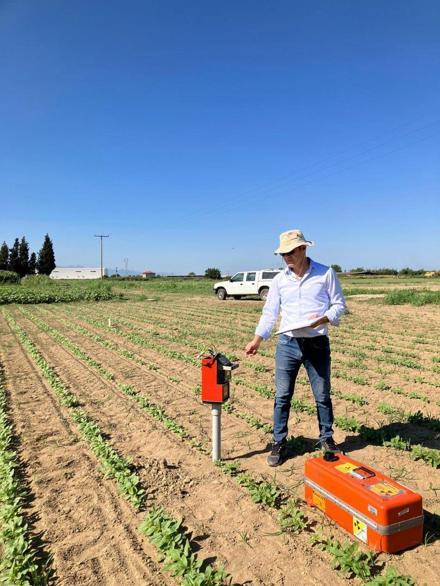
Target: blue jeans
[[314, 353]]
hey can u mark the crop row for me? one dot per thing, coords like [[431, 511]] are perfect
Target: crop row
[[18, 565], [347, 424], [230, 317], [260, 491], [347, 348], [291, 518], [417, 452], [230, 407], [384, 355], [377, 436], [179, 559], [181, 335], [179, 338], [351, 424], [153, 409], [114, 465], [251, 420]]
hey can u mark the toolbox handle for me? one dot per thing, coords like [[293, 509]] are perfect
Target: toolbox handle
[[364, 472]]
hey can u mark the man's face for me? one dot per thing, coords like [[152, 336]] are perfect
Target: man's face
[[295, 257]]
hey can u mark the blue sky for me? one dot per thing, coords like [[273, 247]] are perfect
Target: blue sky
[[194, 132]]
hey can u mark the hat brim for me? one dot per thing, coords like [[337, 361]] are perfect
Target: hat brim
[[282, 250]]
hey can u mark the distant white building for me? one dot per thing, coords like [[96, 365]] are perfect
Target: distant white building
[[77, 273]]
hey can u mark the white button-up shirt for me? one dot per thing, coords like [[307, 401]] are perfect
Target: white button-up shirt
[[317, 294]]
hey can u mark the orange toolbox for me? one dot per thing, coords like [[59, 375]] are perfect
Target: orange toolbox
[[374, 508]]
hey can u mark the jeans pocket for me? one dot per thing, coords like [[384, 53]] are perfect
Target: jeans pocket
[[283, 339]]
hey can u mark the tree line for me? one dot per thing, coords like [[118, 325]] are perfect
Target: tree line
[[18, 259]]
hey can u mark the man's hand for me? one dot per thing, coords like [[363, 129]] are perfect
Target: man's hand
[[319, 322], [252, 347]]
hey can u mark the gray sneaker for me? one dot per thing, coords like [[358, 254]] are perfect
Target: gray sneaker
[[329, 445], [276, 456]]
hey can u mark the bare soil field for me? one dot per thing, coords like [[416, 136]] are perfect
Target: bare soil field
[[133, 370]]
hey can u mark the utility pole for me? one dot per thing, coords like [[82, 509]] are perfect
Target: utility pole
[[101, 236], [126, 265]]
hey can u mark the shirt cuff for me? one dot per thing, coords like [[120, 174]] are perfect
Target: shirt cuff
[[264, 334], [332, 318]]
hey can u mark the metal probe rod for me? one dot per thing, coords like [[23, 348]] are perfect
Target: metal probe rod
[[216, 411]]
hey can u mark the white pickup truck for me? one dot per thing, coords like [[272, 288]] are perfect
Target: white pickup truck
[[246, 283]]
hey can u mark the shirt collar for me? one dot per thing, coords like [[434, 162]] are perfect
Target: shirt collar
[[289, 272]]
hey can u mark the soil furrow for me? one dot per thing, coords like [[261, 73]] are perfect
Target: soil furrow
[[416, 474], [91, 535], [213, 506]]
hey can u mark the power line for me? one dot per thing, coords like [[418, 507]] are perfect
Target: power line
[[326, 167]]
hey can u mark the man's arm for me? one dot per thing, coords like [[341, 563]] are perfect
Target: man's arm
[[270, 311], [336, 298], [268, 318]]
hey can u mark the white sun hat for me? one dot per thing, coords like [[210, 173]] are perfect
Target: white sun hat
[[292, 239]]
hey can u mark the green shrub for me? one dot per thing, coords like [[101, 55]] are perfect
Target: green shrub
[[9, 277], [23, 295], [348, 292], [38, 282], [413, 296]]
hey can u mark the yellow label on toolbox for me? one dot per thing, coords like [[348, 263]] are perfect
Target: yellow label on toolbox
[[360, 530], [385, 489], [318, 501], [346, 468]]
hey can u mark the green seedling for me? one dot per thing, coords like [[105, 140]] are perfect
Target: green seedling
[[258, 367], [348, 423], [391, 578], [229, 468], [398, 391], [174, 379], [414, 395], [382, 386], [347, 558], [255, 422], [291, 518], [351, 398], [397, 443], [428, 455], [302, 406], [266, 493], [400, 361], [174, 548], [356, 364]]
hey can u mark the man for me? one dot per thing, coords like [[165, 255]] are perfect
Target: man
[[310, 297]]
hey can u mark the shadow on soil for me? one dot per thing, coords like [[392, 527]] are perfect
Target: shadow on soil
[[409, 432]]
